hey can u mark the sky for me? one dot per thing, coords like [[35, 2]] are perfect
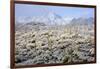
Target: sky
[[24, 10]]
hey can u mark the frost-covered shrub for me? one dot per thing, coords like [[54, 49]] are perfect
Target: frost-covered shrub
[[61, 45]]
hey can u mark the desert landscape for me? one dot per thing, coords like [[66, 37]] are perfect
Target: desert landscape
[[39, 42], [53, 35]]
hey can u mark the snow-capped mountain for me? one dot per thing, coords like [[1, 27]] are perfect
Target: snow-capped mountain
[[49, 19]]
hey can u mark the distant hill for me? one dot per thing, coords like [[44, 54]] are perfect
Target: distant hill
[[82, 21]]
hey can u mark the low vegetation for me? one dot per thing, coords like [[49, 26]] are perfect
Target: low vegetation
[[64, 45]]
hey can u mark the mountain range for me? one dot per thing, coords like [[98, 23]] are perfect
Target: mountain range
[[52, 19]]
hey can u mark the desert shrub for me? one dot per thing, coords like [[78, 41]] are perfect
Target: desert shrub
[[17, 59], [91, 52], [70, 51], [70, 55], [20, 58], [45, 33], [31, 45], [49, 41], [66, 59], [33, 35], [33, 41], [42, 44], [75, 56]]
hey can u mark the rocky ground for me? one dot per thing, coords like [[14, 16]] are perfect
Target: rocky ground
[[53, 46]]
